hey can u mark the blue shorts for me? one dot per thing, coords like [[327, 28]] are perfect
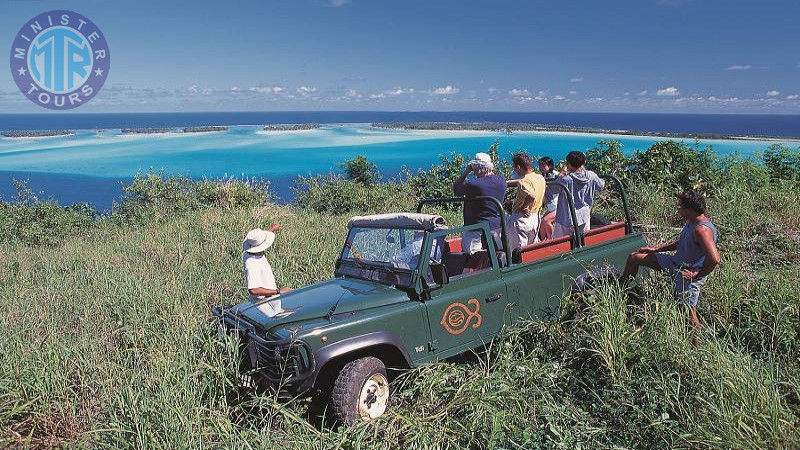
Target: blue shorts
[[685, 291]]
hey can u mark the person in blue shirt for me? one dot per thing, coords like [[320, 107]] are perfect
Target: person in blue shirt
[[485, 183], [695, 256], [583, 185]]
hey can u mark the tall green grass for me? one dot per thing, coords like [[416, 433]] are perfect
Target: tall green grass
[[107, 341]]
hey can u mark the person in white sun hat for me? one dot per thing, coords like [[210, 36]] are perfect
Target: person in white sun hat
[[486, 183], [258, 274]]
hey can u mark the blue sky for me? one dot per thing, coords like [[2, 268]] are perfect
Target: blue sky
[[715, 56]]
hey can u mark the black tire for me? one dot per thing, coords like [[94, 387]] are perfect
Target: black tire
[[347, 390]]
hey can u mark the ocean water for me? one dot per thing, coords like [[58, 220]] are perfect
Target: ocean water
[[92, 164]]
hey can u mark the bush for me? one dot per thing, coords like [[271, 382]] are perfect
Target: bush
[[782, 162], [335, 195], [232, 193], [361, 170], [675, 164], [41, 222], [607, 158], [154, 196], [438, 180]]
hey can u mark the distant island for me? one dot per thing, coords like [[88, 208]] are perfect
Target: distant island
[[510, 128], [292, 127], [206, 129], [35, 133], [147, 130], [202, 129]]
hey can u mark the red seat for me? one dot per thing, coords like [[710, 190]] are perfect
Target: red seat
[[453, 245], [541, 250], [606, 233]]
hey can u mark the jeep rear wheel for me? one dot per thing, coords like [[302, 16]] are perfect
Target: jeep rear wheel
[[361, 391]]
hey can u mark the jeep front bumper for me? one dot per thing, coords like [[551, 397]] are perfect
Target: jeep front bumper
[[285, 364]]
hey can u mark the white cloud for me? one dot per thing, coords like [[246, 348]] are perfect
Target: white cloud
[[642, 93], [542, 95], [627, 94], [338, 3], [235, 89], [447, 90], [352, 93], [306, 90], [519, 93], [377, 96], [671, 91], [722, 99], [399, 91], [576, 79], [266, 89], [559, 97], [573, 92], [792, 97], [740, 67], [773, 93]]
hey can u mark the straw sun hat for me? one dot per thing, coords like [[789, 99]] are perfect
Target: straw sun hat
[[258, 240]]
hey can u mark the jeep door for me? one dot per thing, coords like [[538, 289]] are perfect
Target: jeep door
[[469, 309]]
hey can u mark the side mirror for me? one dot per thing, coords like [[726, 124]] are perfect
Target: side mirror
[[439, 272]]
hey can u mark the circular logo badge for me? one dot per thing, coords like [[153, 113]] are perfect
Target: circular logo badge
[[60, 59]]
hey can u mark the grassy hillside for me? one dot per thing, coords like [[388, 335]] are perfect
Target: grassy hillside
[[107, 338]]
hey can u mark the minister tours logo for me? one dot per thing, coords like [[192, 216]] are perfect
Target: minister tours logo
[[60, 59]]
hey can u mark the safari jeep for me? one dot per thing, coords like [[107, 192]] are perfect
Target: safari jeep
[[405, 293]]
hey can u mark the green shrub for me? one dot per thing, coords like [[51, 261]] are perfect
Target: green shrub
[[232, 193], [361, 170], [335, 195], [437, 181], [782, 162], [675, 164], [154, 196], [41, 222], [607, 158]]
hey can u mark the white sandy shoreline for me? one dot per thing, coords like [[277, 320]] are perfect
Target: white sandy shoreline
[[368, 129]]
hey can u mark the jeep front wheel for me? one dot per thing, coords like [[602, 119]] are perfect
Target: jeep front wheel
[[361, 391]]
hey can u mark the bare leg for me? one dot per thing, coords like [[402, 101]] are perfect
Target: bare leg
[[636, 260], [695, 325], [546, 227]]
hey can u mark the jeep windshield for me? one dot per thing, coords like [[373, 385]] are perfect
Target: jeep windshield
[[385, 255]]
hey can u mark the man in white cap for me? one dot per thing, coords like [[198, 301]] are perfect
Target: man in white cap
[[486, 183], [257, 272]]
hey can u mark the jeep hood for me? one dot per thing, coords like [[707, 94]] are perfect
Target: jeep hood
[[316, 300]]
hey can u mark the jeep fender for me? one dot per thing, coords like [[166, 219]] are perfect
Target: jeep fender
[[359, 344]]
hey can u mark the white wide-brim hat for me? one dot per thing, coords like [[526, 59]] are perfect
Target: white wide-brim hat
[[258, 240], [482, 160]]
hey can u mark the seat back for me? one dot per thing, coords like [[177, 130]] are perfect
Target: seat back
[[605, 233], [541, 250]]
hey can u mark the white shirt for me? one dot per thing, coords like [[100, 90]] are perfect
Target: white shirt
[[258, 274]]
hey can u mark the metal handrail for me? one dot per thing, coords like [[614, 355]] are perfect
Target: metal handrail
[[621, 188], [503, 235]]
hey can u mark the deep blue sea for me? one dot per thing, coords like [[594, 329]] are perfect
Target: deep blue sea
[[92, 164]]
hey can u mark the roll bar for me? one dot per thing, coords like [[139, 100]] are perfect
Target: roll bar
[[503, 235], [577, 238], [621, 188]]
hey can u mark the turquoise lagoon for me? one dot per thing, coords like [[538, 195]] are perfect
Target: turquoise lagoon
[[89, 165]]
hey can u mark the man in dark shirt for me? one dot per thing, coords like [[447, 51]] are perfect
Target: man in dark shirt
[[485, 183]]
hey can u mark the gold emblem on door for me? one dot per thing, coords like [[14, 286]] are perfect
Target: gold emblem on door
[[458, 316]]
